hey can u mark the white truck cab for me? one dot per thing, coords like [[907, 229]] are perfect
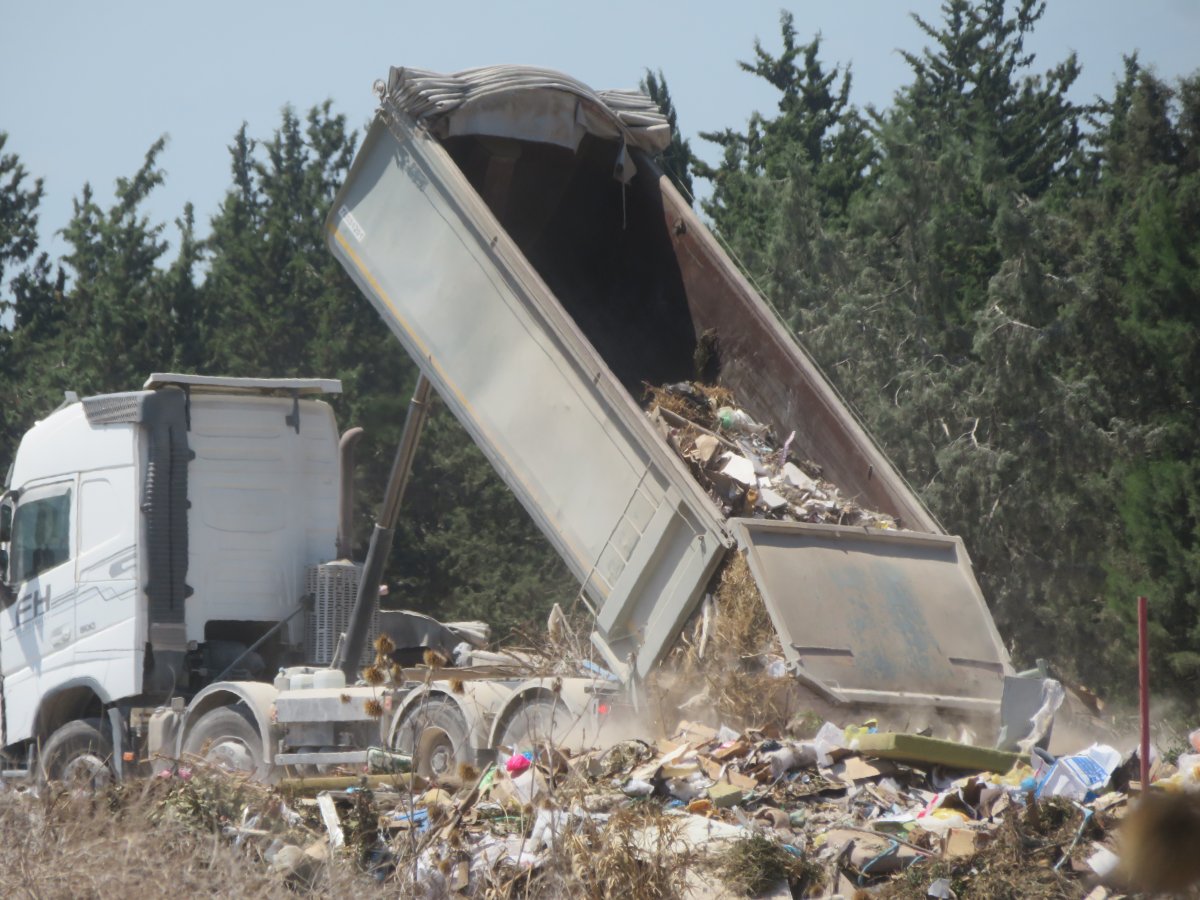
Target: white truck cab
[[150, 538]]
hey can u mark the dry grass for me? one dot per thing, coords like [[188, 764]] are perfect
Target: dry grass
[[210, 836], [128, 840], [742, 624], [756, 864], [716, 670], [681, 405], [635, 854]]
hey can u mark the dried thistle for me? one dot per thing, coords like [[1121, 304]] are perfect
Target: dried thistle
[[373, 675], [345, 698], [373, 708], [384, 645], [457, 686], [397, 673], [435, 659]]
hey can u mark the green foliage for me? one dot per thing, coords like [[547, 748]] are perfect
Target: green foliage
[[1145, 248], [1160, 512], [466, 548], [18, 210], [817, 145], [974, 82], [677, 159]]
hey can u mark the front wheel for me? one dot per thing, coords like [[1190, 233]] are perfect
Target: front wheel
[[78, 754], [228, 739]]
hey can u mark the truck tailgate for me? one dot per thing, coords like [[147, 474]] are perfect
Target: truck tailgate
[[869, 616]]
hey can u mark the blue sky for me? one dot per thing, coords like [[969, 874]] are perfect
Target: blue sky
[[85, 88]]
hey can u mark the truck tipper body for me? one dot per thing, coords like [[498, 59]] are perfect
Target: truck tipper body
[[514, 230], [176, 583]]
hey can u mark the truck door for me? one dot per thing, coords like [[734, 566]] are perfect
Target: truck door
[[38, 631], [106, 568]]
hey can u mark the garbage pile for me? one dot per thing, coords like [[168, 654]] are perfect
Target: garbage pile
[[846, 812], [742, 466]]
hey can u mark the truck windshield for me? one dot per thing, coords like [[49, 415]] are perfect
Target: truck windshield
[[41, 534]]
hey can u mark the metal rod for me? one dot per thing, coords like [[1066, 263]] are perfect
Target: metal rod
[[367, 598], [1144, 692]]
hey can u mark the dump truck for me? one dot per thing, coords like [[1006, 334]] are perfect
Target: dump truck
[[175, 583]]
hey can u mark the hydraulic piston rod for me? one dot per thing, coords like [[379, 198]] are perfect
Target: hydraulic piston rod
[[367, 598]]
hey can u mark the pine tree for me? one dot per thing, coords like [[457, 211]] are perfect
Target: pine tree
[[976, 82], [677, 159], [18, 211], [1144, 303], [30, 296], [817, 145]]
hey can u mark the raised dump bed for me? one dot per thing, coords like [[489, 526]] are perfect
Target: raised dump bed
[[514, 231]]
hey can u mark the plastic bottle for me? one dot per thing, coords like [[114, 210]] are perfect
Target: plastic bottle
[[732, 419]]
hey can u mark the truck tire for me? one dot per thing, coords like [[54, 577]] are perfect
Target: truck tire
[[77, 754], [536, 721], [227, 738], [434, 733]]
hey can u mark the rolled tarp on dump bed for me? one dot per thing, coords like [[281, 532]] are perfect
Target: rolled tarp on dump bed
[[528, 104]]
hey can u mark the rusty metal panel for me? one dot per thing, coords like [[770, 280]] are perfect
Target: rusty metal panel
[[871, 615], [771, 374]]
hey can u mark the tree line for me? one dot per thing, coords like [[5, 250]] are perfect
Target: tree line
[[1003, 282]]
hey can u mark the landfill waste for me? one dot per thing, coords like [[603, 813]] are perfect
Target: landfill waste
[[705, 812], [728, 659], [739, 462]]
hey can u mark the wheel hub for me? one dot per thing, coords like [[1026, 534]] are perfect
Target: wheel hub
[[87, 770], [231, 754], [436, 753]]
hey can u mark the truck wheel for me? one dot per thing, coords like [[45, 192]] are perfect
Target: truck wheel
[[77, 754], [226, 738], [434, 733], [536, 721]]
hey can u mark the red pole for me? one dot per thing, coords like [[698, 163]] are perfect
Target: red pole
[[1144, 692]]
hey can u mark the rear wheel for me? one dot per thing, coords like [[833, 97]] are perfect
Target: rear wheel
[[535, 722], [434, 733], [227, 738], [77, 754]]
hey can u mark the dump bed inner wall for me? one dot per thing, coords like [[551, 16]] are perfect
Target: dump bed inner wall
[[643, 280]]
